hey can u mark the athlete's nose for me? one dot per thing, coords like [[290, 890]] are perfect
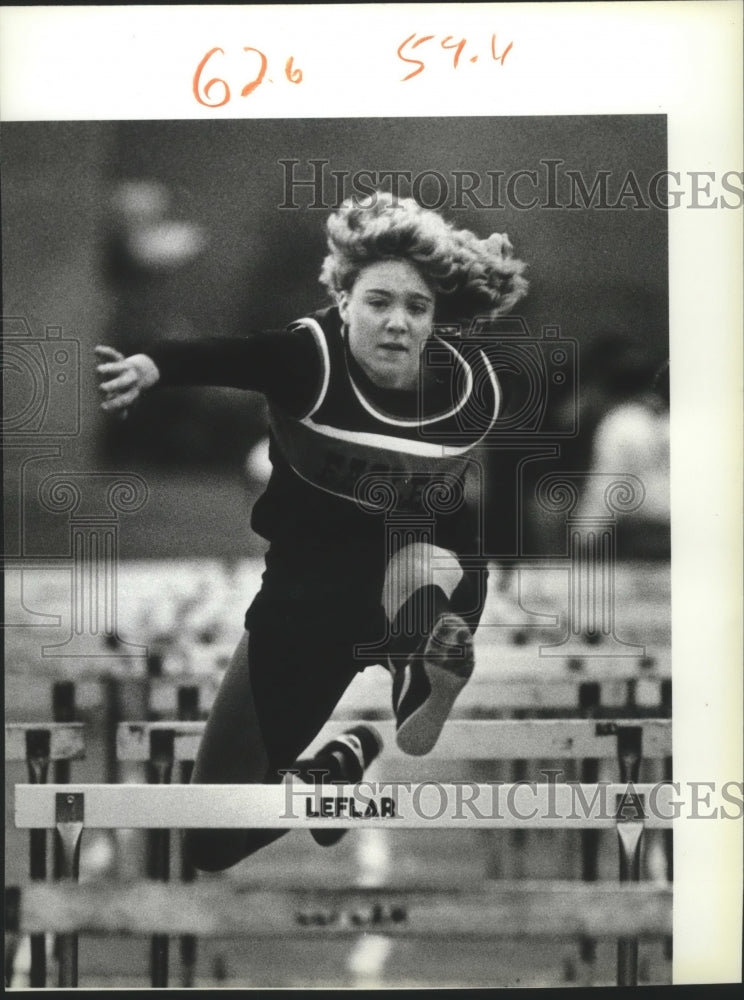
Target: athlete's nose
[[396, 320]]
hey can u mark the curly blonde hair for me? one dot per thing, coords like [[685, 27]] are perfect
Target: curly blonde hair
[[470, 276]]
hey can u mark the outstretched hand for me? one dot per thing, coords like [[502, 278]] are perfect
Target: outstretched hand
[[123, 379]]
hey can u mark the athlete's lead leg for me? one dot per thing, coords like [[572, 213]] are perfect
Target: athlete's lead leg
[[431, 642]]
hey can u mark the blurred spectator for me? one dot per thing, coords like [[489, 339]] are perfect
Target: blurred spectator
[[153, 248], [147, 244], [633, 438], [614, 369], [613, 406]]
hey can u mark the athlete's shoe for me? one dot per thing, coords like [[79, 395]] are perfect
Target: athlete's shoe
[[425, 690], [352, 752]]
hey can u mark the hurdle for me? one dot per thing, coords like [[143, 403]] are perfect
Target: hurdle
[[168, 807], [71, 808], [39, 745], [461, 739], [627, 740], [505, 679]]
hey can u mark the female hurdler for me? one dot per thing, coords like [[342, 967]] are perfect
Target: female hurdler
[[374, 547]]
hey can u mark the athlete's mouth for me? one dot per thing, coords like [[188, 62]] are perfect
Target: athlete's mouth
[[400, 348]]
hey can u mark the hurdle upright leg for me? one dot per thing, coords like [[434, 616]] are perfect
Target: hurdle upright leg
[[38, 751], [69, 814], [589, 703], [668, 850], [158, 847], [518, 838], [12, 936], [630, 834], [188, 711], [666, 709], [63, 710]]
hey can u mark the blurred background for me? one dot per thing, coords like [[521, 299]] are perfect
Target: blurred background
[[124, 232]]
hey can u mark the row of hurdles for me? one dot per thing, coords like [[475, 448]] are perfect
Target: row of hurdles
[[506, 682], [410, 905]]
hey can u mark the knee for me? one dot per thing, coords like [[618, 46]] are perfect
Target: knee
[[415, 566]]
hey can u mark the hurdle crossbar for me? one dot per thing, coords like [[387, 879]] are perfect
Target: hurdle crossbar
[[66, 739], [495, 660], [495, 739], [505, 678], [390, 804], [480, 698], [502, 910], [498, 660]]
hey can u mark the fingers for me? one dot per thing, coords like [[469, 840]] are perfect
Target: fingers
[[120, 401], [126, 380], [108, 352], [114, 363]]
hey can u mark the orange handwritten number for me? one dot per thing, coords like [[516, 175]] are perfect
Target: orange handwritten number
[[208, 86], [292, 74], [458, 47], [503, 54], [250, 87], [421, 66]]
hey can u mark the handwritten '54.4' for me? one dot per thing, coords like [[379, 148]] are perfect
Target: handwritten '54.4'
[[448, 42]]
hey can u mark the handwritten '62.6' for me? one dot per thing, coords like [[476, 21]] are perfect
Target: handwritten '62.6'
[[215, 92], [448, 43]]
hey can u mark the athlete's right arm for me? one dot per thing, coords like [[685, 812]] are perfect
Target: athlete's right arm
[[123, 379], [286, 366]]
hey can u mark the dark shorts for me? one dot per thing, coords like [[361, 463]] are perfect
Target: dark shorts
[[333, 598]]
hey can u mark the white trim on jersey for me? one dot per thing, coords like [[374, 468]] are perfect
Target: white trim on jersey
[[404, 446], [416, 421], [317, 329], [407, 445], [496, 391]]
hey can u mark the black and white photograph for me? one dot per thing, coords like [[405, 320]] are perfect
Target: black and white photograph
[[342, 537]]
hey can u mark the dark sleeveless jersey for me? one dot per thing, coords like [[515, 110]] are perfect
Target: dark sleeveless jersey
[[350, 460], [362, 457]]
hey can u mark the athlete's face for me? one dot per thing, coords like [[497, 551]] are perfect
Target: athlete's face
[[389, 313]]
